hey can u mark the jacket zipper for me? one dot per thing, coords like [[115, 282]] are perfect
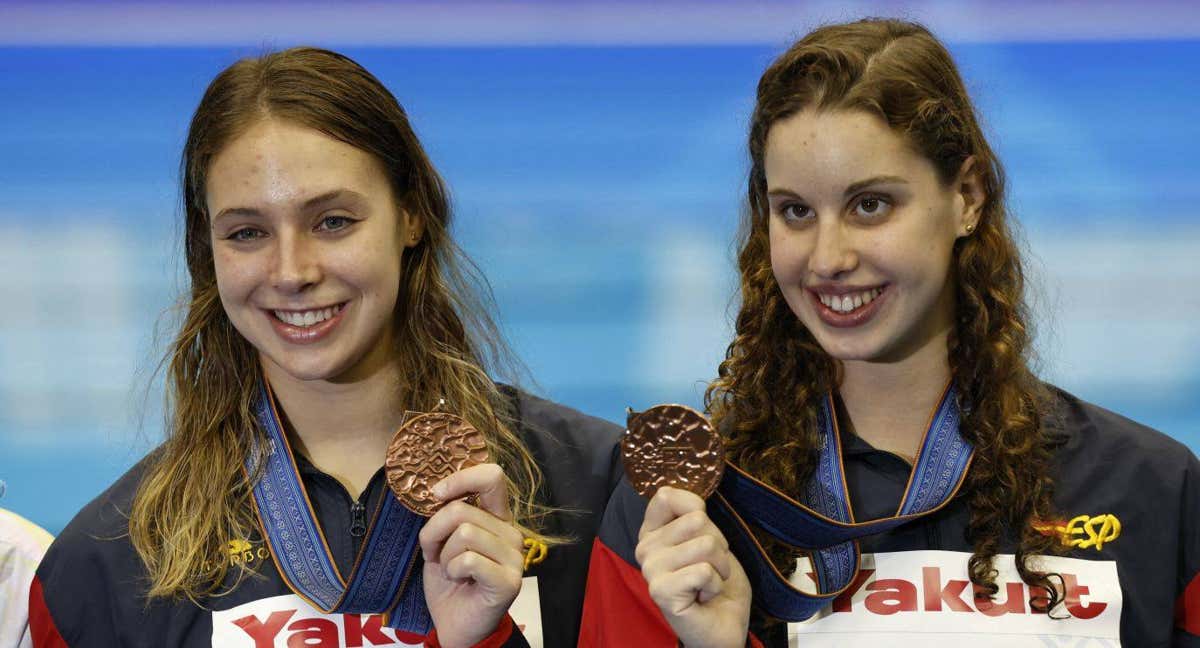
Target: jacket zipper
[[358, 519]]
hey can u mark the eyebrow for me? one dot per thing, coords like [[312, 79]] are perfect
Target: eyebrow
[[850, 190], [328, 196], [880, 179]]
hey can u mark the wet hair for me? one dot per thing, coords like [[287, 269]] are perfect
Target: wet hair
[[195, 496], [775, 373]]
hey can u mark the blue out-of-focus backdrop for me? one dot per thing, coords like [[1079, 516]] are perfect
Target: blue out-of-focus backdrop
[[595, 152]]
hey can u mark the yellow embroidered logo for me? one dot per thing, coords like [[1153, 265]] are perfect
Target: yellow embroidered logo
[[239, 552], [1085, 531], [237, 547]]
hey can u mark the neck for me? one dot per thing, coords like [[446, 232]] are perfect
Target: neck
[[889, 404], [342, 427]]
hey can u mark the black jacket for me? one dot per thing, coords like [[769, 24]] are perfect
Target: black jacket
[[91, 584]]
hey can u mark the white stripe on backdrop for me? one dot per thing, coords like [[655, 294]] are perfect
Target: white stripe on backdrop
[[546, 22]]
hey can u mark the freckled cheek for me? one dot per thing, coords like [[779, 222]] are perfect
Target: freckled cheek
[[375, 272], [236, 276], [788, 261]]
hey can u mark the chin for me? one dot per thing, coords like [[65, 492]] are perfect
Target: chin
[[849, 347], [306, 369], [851, 354]]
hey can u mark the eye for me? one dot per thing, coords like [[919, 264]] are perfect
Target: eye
[[795, 212], [245, 234], [335, 223], [872, 207]]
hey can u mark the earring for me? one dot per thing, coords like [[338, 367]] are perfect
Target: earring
[[970, 228]]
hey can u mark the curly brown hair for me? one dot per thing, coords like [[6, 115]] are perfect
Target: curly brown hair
[[900, 72]]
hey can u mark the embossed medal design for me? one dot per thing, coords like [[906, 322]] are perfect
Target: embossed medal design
[[426, 449], [672, 445]]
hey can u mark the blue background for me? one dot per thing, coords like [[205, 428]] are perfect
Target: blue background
[[598, 188]]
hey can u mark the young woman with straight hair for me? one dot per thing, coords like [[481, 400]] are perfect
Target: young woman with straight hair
[[328, 305]]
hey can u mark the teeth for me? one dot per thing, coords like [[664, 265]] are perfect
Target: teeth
[[307, 318], [847, 303]]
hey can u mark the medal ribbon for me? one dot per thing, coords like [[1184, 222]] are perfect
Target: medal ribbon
[[386, 577], [823, 524]]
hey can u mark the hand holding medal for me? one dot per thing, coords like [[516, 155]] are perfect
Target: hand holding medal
[[673, 456], [438, 466]]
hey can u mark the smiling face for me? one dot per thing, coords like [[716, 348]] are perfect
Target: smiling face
[[862, 232], [307, 240]]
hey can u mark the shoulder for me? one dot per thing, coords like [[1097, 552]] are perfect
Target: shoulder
[[1109, 464], [93, 560], [106, 516], [576, 452], [1099, 436], [563, 437], [1128, 494], [545, 418]]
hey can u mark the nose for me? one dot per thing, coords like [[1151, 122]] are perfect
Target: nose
[[296, 265], [833, 252]]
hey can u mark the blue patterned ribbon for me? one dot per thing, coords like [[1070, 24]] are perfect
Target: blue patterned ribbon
[[823, 523], [387, 572]]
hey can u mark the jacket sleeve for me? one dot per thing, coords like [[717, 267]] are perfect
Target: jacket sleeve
[[42, 631], [617, 608], [577, 455], [87, 590], [71, 596], [1187, 605]]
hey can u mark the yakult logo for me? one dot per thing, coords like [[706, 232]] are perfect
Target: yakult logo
[[354, 630], [288, 621], [935, 593], [914, 596]]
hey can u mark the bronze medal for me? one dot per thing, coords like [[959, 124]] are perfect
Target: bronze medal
[[426, 449], [672, 445]]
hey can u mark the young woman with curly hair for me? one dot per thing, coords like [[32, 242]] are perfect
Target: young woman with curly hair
[[882, 295], [327, 300]]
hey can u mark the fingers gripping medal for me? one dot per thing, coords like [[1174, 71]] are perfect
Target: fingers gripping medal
[[426, 449], [672, 445]]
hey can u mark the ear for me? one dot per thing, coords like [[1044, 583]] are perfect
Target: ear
[[969, 191], [414, 227]]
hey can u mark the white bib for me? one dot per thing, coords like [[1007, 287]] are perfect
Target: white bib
[[923, 598]]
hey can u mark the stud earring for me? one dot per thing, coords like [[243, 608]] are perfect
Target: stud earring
[[970, 228]]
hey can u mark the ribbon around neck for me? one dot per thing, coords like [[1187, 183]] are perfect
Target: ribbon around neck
[[823, 523], [386, 577]]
